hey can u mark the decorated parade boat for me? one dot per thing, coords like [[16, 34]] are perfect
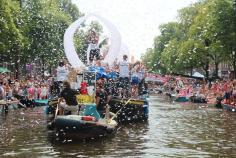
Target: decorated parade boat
[[129, 110], [84, 122], [125, 110], [83, 127]]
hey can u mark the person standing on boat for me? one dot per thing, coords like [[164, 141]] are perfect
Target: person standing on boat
[[124, 76], [110, 88], [62, 72], [135, 79], [94, 51], [143, 86], [61, 75], [101, 98]]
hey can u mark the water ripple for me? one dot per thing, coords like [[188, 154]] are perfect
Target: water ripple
[[173, 130]]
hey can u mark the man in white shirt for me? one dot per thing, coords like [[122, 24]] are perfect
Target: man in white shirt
[[61, 76], [62, 72], [124, 76]]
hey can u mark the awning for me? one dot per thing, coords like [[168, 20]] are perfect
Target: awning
[[4, 70], [197, 74]]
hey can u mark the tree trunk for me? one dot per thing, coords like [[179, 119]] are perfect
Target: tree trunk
[[43, 64], [50, 70], [234, 22], [206, 69], [17, 67], [234, 66], [16, 57], [216, 69], [191, 71]]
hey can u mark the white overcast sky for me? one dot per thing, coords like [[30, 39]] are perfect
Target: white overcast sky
[[137, 20]]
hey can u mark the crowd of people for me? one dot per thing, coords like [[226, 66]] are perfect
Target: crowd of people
[[127, 81], [213, 92], [29, 87]]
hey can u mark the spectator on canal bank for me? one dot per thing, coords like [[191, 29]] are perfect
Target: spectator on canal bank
[[2, 91]]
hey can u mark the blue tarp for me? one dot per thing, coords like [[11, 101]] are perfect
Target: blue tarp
[[113, 75], [101, 73], [99, 70]]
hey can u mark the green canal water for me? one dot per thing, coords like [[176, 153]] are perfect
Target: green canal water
[[172, 130]]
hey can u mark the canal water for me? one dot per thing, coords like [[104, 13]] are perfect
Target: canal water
[[173, 130]]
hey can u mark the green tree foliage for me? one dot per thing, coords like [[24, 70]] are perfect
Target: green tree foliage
[[33, 30], [46, 24], [147, 59], [11, 37], [203, 36], [212, 23], [67, 7], [168, 32]]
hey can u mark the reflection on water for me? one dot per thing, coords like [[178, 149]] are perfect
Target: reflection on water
[[173, 130]]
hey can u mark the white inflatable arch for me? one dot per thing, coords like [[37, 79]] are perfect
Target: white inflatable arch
[[114, 48]]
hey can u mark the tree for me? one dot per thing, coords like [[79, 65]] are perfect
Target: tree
[[204, 35], [169, 56], [147, 59], [11, 38], [46, 22], [168, 31]]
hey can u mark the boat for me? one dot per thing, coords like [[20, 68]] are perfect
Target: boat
[[197, 99], [83, 124], [83, 127], [126, 110], [230, 108], [181, 99], [6, 105], [24, 102], [129, 110], [27, 103], [41, 102], [83, 121]]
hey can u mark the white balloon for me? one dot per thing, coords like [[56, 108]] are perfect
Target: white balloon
[[69, 43], [69, 47]]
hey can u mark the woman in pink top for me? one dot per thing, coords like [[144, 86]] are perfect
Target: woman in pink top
[[39, 91], [31, 91], [182, 92], [44, 92]]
